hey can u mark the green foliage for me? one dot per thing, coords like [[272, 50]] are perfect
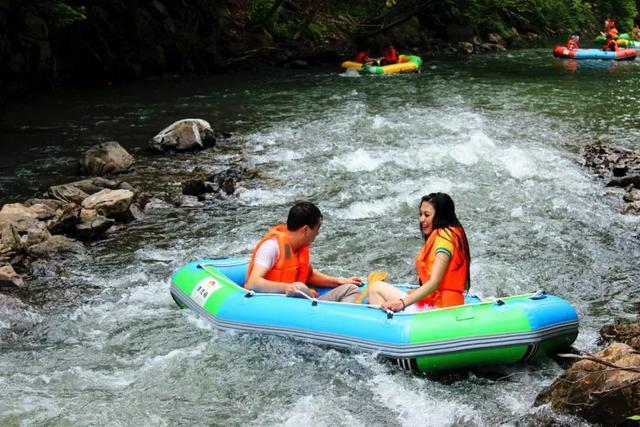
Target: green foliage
[[547, 16], [634, 418], [259, 11], [60, 14]]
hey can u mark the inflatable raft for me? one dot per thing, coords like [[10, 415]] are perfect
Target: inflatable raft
[[492, 331], [601, 38], [632, 44], [622, 54], [406, 64]]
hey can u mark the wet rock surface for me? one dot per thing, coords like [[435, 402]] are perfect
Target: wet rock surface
[[603, 388], [619, 167], [42, 237], [106, 159]]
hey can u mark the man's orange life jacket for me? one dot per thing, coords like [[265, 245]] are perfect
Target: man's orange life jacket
[[611, 45], [290, 266], [362, 58], [450, 292], [391, 56]]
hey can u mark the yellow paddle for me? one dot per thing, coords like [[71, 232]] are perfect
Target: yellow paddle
[[374, 276]]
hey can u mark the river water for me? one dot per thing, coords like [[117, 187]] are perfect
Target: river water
[[501, 133]]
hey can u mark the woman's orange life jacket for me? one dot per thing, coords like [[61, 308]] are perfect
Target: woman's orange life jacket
[[391, 56], [290, 266], [450, 292], [572, 44]]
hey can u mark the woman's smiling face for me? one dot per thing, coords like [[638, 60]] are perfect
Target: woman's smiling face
[[426, 214]]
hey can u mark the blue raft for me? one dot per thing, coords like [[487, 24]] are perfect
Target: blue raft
[[489, 331]]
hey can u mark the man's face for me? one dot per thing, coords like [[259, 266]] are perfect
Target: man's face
[[311, 233]]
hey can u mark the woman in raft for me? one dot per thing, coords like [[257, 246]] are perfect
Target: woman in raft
[[442, 264]]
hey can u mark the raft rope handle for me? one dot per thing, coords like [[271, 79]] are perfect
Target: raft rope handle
[[540, 294], [314, 301]]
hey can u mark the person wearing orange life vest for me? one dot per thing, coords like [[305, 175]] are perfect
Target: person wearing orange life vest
[[573, 42], [442, 264], [610, 27], [363, 58], [610, 44], [390, 55], [280, 262]]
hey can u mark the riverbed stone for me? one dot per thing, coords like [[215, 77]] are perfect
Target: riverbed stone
[[38, 210], [633, 195], [9, 277], [10, 242], [67, 193], [600, 394], [57, 247], [65, 220], [17, 318], [30, 229], [624, 330], [154, 204], [52, 204], [632, 208], [466, 47], [93, 226], [106, 159], [183, 135], [110, 203]]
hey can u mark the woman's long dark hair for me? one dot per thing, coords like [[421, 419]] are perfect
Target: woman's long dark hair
[[445, 217]]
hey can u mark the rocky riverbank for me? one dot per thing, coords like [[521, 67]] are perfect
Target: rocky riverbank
[[604, 387], [40, 236], [620, 168]]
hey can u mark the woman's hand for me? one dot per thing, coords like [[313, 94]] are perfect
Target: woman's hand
[[397, 305]]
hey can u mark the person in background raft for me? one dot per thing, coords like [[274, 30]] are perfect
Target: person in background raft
[[390, 55], [634, 34], [573, 42], [442, 264], [363, 57], [610, 45], [280, 262], [610, 27]]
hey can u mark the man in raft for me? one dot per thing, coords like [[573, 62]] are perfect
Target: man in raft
[[280, 262], [390, 55], [610, 45]]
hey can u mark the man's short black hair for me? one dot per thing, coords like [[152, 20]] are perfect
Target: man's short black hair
[[303, 213]]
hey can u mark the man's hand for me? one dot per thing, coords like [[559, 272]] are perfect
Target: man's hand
[[294, 289], [350, 281]]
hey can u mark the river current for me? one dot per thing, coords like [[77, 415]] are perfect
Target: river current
[[501, 133]]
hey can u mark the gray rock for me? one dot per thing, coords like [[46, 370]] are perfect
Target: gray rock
[[108, 158], [9, 277], [92, 227], [110, 203], [67, 193], [58, 247], [183, 135], [17, 318], [155, 204]]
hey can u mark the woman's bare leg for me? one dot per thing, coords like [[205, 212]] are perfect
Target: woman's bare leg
[[382, 291]]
